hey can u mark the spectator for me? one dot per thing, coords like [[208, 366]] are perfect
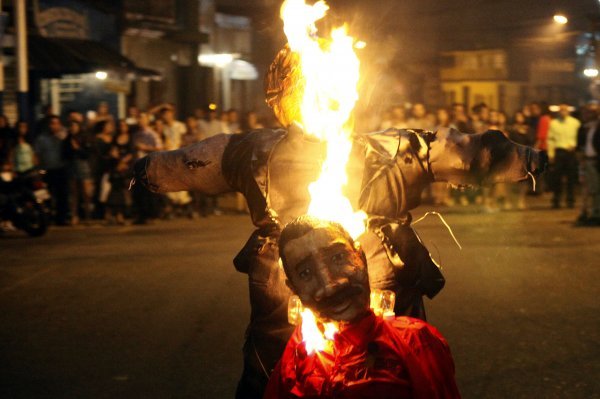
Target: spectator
[[419, 118], [498, 193], [233, 121], [251, 122], [158, 125], [225, 122], [23, 156], [460, 118], [192, 132], [542, 127], [78, 152], [41, 125], [562, 141], [133, 115], [145, 141], [396, 117], [173, 133], [443, 119], [588, 147], [480, 118], [521, 133], [212, 126], [6, 130], [75, 116], [440, 191], [200, 114], [541, 143], [173, 129], [121, 155], [6, 145], [104, 134], [102, 114], [49, 148]]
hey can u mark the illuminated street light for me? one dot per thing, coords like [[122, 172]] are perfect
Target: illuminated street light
[[560, 19], [590, 72], [101, 75], [216, 60]]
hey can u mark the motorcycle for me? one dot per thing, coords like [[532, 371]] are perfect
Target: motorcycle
[[23, 199]]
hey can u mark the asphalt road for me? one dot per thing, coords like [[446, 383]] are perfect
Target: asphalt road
[[159, 311]]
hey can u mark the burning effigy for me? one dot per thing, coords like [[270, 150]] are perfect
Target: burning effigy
[[307, 167]]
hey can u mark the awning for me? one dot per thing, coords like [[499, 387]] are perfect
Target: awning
[[243, 70], [58, 56]]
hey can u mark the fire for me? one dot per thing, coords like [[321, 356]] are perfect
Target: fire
[[314, 339], [330, 73]]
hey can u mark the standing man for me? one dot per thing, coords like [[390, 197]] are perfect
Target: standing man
[[174, 129], [49, 148], [562, 141], [145, 141], [588, 148], [419, 118]]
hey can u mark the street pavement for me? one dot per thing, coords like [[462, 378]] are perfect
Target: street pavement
[[159, 311]]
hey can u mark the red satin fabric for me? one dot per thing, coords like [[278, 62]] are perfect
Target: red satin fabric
[[372, 358]]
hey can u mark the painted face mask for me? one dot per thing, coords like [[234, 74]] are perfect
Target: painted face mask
[[328, 274]]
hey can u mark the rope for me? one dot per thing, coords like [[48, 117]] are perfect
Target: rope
[[533, 179], [259, 361], [443, 221]]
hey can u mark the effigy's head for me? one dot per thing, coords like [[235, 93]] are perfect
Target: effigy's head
[[284, 86], [325, 268]]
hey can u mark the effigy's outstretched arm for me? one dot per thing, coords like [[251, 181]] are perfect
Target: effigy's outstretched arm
[[485, 158], [193, 168]]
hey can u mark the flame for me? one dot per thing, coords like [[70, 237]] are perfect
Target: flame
[[315, 340], [330, 73]]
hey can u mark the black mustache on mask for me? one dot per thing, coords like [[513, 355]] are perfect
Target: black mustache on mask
[[340, 296]]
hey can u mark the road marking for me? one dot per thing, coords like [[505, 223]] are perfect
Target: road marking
[[25, 280]]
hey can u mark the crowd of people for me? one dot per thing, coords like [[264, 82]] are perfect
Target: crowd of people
[[87, 159]]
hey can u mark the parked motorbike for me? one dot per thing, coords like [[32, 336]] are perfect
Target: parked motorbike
[[23, 198]]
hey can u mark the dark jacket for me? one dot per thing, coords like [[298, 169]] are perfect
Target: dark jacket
[[582, 138]]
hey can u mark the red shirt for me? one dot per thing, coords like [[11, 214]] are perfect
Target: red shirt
[[542, 132], [372, 358]]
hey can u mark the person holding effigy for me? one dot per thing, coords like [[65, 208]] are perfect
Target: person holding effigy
[[349, 351], [273, 168]]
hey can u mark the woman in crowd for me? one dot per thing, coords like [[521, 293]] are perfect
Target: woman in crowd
[[22, 154], [121, 155], [78, 153], [145, 141], [521, 133], [251, 122], [192, 132], [440, 191], [103, 142]]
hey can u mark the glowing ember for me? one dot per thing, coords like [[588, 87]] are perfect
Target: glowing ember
[[312, 337], [330, 72], [315, 340], [330, 330]]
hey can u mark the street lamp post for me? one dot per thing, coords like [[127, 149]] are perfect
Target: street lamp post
[[22, 77]]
